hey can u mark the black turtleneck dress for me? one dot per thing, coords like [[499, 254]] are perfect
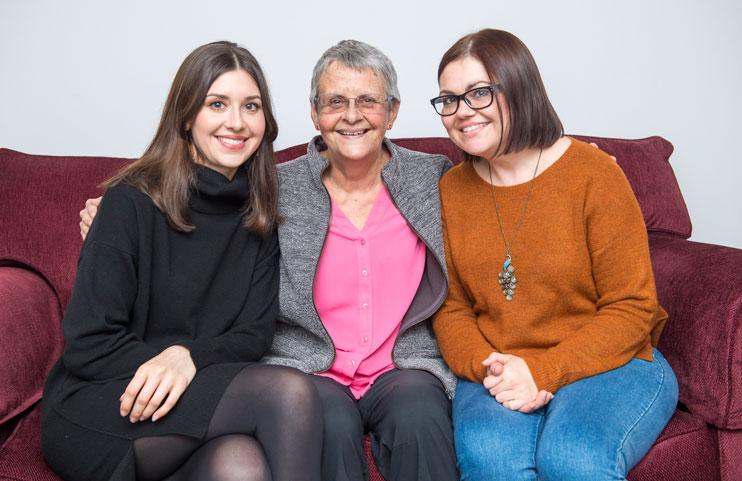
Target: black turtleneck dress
[[141, 287]]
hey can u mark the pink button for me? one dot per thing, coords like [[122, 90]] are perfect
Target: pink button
[[364, 306], [363, 242], [365, 339], [364, 272]]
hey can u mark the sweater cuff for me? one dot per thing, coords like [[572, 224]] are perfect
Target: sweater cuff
[[548, 373], [201, 354], [479, 370]]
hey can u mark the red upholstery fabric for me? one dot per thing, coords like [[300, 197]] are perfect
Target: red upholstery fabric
[[20, 454], [42, 198], [730, 447], [701, 342], [31, 339], [646, 164], [685, 451]]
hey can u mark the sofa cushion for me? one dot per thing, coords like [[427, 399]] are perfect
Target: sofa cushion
[[31, 339], [42, 198], [700, 285], [685, 451], [647, 166], [20, 457]]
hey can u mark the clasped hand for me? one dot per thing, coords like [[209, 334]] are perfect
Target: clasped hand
[[157, 385], [510, 381]]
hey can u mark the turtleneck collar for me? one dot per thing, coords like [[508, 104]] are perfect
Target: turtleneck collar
[[216, 194]]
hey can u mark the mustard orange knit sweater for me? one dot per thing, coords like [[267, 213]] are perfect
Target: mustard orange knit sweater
[[585, 301]]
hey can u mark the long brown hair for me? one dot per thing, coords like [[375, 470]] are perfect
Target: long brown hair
[[166, 170], [533, 122]]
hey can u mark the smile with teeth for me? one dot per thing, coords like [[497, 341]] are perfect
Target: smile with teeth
[[351, 133], [231, 141], [472, 128]]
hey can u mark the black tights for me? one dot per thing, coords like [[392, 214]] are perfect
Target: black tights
[[267, 426]]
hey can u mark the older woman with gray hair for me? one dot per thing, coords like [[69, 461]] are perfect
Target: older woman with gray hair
[[361, 271]]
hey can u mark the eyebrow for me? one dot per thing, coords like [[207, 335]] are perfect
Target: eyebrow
[[468, 87], [225, 97]]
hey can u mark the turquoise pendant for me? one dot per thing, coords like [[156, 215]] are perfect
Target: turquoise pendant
[[507, 279]]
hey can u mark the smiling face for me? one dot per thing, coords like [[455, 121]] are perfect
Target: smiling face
[[352, 135], [230, 125], [477, 132]]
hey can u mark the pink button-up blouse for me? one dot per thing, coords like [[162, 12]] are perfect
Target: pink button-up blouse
[[364, 284]]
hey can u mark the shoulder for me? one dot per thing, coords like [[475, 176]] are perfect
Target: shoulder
[[117, 223], [456, 178], [293, 172], [592, 162], [422, 160]]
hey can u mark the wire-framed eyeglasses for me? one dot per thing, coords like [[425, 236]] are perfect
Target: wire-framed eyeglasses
[[365, 103], [476, 98]]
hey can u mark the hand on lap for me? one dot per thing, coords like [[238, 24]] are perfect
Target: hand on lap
[[157, 385]]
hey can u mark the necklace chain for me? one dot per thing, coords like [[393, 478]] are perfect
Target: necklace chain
[[506, 278]]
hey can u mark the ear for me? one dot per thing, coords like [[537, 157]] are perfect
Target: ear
[[314, 114], [392, 116]]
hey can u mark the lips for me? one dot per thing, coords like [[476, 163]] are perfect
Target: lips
[[473, 127], [352, 133], [232, 142]]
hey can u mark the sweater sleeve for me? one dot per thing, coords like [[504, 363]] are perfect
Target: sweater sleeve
[[626, 308], [455, 324], [98, 342], [251, 335]]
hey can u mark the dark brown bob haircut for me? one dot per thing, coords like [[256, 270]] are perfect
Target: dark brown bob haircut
[[166, 172], [533, 122]]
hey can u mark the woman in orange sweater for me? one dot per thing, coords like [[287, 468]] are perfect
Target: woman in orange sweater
[[552, 313]]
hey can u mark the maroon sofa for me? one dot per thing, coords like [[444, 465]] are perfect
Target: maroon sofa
[[699, 284]]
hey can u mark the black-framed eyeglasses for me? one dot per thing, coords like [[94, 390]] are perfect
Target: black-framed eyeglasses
[[476, 98], [365, 103]]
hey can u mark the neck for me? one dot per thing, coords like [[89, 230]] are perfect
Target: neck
[[356, 175], [509, 169]]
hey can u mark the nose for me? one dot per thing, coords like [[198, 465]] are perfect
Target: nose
[[352, 114], [464, 110], [234, 119]]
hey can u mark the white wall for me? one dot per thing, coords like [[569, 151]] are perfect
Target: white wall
[[91, 77]]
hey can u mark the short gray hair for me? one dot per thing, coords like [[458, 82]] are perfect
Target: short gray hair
[[357, 55]]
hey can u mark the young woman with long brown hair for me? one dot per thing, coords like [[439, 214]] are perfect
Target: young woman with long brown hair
[[176, 299]]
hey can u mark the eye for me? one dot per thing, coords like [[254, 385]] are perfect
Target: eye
[[449, 100], [337, 101], [483, 92], [217, 105], [252, 106], [366, 100]]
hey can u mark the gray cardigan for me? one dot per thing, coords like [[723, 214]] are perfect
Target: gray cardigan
[[301, 340]]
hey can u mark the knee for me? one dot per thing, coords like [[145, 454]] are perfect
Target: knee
[[294, 392], [574, 459], [419, 406], [238, 458], [342, 423], [483, 454]]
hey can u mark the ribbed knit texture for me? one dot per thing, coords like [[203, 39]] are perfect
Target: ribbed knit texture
[[585, 301]]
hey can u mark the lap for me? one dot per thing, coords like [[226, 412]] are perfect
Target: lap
[[620, 411]]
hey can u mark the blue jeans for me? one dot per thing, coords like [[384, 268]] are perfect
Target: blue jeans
[[594, 429]]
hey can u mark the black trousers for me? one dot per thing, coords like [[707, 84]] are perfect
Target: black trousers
[[408, 416]]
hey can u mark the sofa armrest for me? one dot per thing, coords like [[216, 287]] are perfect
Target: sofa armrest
[[30, 338], [700, 285]]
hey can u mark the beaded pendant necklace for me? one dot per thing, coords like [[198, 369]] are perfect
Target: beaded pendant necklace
[[506, 278]]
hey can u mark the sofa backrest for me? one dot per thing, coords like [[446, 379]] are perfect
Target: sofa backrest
[[42, 197]]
